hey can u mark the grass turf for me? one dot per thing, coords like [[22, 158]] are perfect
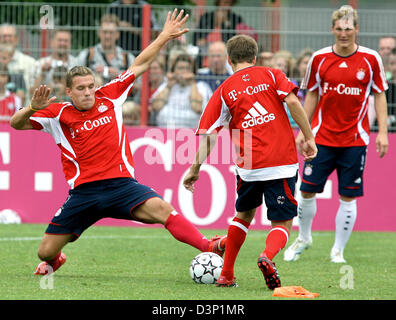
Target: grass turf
[[147, 263]]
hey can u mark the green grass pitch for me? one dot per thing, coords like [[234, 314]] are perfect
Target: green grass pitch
[[147, 263]]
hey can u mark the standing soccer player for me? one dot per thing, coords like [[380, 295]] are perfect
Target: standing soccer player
[[339, 80], [251, 103], [96, 158]]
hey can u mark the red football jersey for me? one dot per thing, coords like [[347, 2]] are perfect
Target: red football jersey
[[344, 85], [93, 143], [251, 102]]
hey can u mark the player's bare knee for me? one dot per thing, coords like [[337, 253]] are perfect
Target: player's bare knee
[[45, 254], [164, 209], [154, 210]]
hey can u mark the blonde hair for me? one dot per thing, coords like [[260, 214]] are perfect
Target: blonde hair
[[287, 55], [110, 18], [77, 71], [345, 12]]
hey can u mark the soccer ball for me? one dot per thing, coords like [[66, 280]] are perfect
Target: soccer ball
[[206, 267]]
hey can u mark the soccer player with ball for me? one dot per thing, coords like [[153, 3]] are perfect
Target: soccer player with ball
[[250, 103], [340, 79], [96, 158]]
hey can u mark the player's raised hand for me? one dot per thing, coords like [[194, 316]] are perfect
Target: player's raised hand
[[174, 24], [40, 99], [173, 28]]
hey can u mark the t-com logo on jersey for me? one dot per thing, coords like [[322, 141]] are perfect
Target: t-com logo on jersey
[[90, 125], [341, 88], [257, 115]]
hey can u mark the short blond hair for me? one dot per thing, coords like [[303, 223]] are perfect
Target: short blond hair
[[110, 18], [242, 48], [77, 71], [345, 12]]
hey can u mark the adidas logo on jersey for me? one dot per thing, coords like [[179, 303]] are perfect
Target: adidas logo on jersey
[[343, 65], [257, 115]]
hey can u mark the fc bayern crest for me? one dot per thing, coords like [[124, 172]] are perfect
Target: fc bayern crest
[[360, 74], [308, 170], [246, 77], [102, 108]]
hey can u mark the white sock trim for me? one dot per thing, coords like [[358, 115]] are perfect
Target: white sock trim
[[239, 225], [283, 230]]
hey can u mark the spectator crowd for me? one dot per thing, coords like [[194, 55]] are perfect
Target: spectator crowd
[[181, 79]]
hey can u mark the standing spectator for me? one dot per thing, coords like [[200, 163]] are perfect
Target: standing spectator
[[284, 61], [265, 59], [130, 15], [391, 93], [60, 57], [385, 45], [221, 22], [9, 101], [217, 71], [180, 101], [20, 62], [339, 79], [58, 83], [157, 74], [106, 58], [16, 82], [301, 66]]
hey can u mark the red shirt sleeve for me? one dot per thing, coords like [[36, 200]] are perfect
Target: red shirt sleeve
[[380, 83], [215, 115], [283, 85], [117, 87]]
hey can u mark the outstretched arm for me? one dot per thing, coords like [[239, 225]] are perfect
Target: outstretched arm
[[173, 28]]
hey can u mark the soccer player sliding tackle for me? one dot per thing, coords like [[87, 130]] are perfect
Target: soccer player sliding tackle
[[96, 157]]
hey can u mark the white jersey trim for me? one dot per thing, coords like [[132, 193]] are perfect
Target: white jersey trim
[[72, 180], [381, 65], [265, 174], [52, 126], [304, 83], [130, 169]]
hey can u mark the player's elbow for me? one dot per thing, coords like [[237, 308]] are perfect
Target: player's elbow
[[18, 124], [139, 68], [14, 123]]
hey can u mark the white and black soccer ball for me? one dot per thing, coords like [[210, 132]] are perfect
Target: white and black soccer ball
[[206, 267]]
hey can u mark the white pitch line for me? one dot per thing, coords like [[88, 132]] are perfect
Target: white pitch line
[[84, 237]]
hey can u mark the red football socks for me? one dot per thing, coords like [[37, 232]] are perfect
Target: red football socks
[[276, 241], [184, 231], [236, 236]]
